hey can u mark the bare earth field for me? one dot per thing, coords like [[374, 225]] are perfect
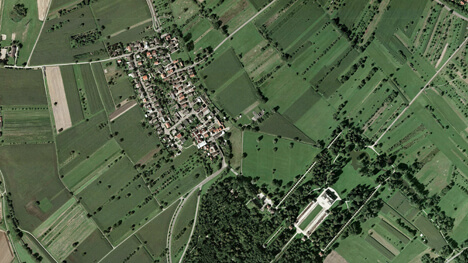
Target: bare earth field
[[58, 98], [6, 254], [334, 257], [42, 8]]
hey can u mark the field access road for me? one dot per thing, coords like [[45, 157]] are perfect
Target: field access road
[[239, 28], [421, 91], [193, 229], [40, 32], [454, 12], [153, 15], [456, 255], [200, 185], [303, 176]]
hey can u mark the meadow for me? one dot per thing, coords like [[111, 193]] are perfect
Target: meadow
[[183, 226], [26, 30], [54, 45], [269, 158], [21, 165], [92, 249], [221, 70], [26, 125], [154, 234], [131, 249], [134, 138], [119, 83], [237, 96], [103, 89], [22, 87], [74, 145]]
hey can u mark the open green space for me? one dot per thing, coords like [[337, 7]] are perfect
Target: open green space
[[268, 160], [183, 226], [91, 249], [74, 145], [237, 96], [154, 234], [22, 87], [221, 70], [23, 29], [72, 94], [311, 217], [133, 136], [22, 165], [26, 125]]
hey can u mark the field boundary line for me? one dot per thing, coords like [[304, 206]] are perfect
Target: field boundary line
[[420, 92], [40, 33]]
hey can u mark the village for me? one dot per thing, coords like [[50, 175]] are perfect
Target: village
[[173, 106]]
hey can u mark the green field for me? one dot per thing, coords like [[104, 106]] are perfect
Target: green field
[[25, 31], [74, 145], [104, 92], [431, 233], [175, 179], [21, 166], [221, 70], [119, 84], [92, 167], [454, 205], [54, 46], [22, 87], [266, 164], [154, 234], [132, 250], [91, 249], [183, 226], [135, 140], [237, 96], [118, 200], [26, 125], [73, 96]]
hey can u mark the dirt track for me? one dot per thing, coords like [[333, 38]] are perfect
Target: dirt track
[[42, 8], [58, 98]]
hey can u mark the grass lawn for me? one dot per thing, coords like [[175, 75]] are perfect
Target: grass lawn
[[74, 145], [455, 205], [54, 45], [71, 91], [349, 179], [311, 217], [288, 161], [25, 30], [434, 238], [318, 122]]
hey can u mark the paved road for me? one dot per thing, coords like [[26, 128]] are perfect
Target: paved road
[[239, 28], [420, 92], [153, 14]]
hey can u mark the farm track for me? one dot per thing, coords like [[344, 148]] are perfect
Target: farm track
[[421, 91], [193, 229], [206, 180], [239, 28]]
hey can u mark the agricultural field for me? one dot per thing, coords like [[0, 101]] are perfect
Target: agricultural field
[[21, 164], [20, 27], [128, 126], [275, 162], [22, 87]]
